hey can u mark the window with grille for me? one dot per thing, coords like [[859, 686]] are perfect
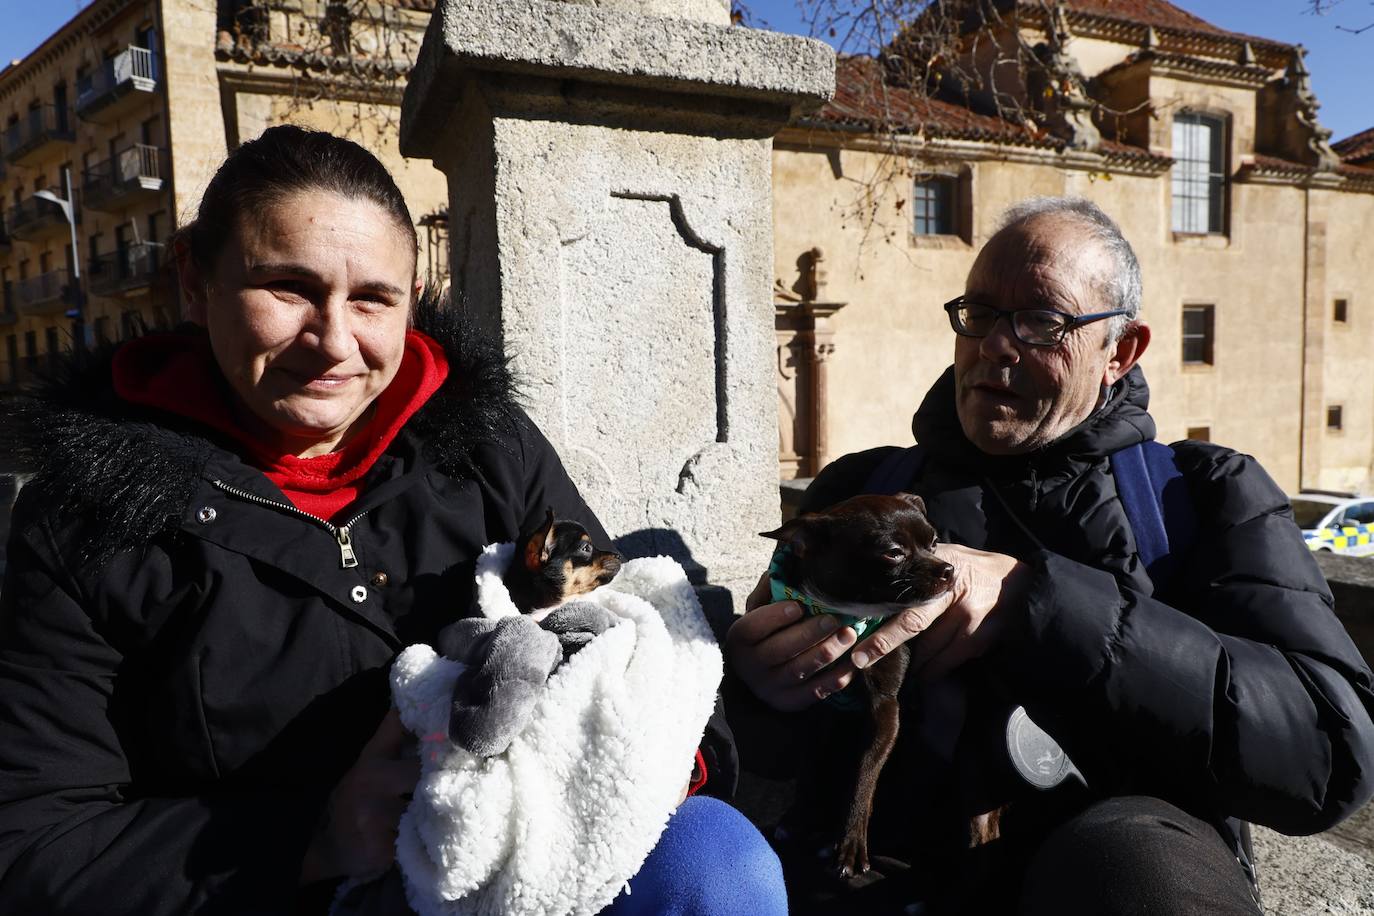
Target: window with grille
[[1199, 175], [1334, 420], [933, 206], [1198, 333], [1341, 311]]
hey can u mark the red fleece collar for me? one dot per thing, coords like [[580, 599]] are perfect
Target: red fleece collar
[[177, 373]]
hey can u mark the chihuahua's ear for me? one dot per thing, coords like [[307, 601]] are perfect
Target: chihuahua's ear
[[914, 501], [540, 545], [792, 533]]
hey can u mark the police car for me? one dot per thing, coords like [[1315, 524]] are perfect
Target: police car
[[1339, 524]]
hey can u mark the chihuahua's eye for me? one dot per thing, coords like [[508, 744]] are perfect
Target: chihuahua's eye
[[895, 554], [585, 548], [933, 541]]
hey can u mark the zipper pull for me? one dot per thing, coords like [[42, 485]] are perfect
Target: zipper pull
[[347, 558]]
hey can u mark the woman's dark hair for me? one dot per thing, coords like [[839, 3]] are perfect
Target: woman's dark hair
[[282, 161]]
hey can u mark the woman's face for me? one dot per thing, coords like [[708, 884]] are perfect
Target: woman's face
[[307, 312]]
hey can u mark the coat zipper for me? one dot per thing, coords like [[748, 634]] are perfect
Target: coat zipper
[[342, 533]]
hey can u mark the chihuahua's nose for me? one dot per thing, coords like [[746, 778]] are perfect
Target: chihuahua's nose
[[946, 573]]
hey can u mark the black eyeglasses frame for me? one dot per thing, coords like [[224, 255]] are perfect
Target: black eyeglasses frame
[[1071, 322]]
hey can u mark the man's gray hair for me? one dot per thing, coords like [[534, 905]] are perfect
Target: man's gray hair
[[1123, 289]]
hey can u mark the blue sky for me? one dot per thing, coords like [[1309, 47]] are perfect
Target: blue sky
[[1342, 64]]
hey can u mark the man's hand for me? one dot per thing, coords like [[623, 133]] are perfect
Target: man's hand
[[961, 624], [356, 836], [783, 657]]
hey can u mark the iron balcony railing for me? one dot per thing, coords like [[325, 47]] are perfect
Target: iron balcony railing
[[37, 295], [134, 67], [134, 170], [35, 128], [133, 267], [35, 218]]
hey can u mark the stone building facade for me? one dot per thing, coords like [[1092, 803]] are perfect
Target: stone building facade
[[138, 101], [1254, 234]]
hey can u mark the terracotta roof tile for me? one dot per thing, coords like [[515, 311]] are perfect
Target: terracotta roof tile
[[1157, 13], [863, 99], [1357, 149]]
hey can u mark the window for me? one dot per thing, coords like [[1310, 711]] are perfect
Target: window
[[1360, 514], [54, 347], [1199, 433], [1198, 324], [1199, 181], [1334, 418], [1340, 311], [933, 206]]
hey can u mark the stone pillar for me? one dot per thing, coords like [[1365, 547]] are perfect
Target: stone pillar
[[611, 213]]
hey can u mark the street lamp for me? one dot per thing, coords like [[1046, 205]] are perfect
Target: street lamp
[[70, 214]]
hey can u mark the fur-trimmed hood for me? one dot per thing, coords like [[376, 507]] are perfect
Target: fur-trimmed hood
[[121, 473]]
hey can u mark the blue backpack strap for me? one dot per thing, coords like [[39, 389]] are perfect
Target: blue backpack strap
[[895, 473], [1158, 507]]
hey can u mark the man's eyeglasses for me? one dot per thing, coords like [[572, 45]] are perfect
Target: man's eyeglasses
[[1035, 327]]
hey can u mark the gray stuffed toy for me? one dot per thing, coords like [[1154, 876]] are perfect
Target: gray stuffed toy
[[508, 660]]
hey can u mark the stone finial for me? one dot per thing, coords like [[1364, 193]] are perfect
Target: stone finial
[[1247, 55], [1058, 88], [811, 282], [1151, 38], [1305, 105]]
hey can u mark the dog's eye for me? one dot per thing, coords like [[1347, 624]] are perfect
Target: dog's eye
[[895, 554], [585, 548], [933, 542]]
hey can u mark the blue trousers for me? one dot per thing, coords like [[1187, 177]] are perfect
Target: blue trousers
[[710, 861]]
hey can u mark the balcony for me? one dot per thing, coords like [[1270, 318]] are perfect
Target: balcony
[[46, 294], [127, 272], [120, 84], [127, 177], [30, 138], [34, 219]]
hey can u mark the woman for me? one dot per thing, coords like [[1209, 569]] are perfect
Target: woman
[[229, 536]]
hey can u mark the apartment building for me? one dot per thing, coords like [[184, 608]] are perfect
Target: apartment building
[[110, 130], [84, 181]]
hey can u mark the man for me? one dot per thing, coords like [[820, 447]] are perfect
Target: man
[[1229, 691]]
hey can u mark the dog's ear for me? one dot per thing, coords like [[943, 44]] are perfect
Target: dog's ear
[[540, 545], [793, 533], [914, 501]]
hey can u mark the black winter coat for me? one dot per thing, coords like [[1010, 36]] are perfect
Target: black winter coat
[[1233, 692], [186, 668]]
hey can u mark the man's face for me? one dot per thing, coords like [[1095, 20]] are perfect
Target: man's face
[[1012, 397]]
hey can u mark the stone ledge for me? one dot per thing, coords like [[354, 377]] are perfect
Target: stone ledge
[[572, 41], [1306, 876]]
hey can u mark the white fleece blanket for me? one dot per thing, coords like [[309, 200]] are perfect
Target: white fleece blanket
[[559, 822]]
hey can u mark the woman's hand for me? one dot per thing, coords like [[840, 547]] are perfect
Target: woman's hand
[[782, 657], [356, 836]]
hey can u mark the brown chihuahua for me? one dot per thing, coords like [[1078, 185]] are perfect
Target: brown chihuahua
[[555, 562], [868, 557]]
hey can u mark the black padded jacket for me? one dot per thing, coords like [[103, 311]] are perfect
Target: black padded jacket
[[186, 668], [1233, 691]]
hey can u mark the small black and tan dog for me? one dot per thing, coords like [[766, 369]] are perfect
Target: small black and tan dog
[[868, 557], [555, 562]]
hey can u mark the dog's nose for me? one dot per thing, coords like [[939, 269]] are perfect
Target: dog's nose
[[946, 573]]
